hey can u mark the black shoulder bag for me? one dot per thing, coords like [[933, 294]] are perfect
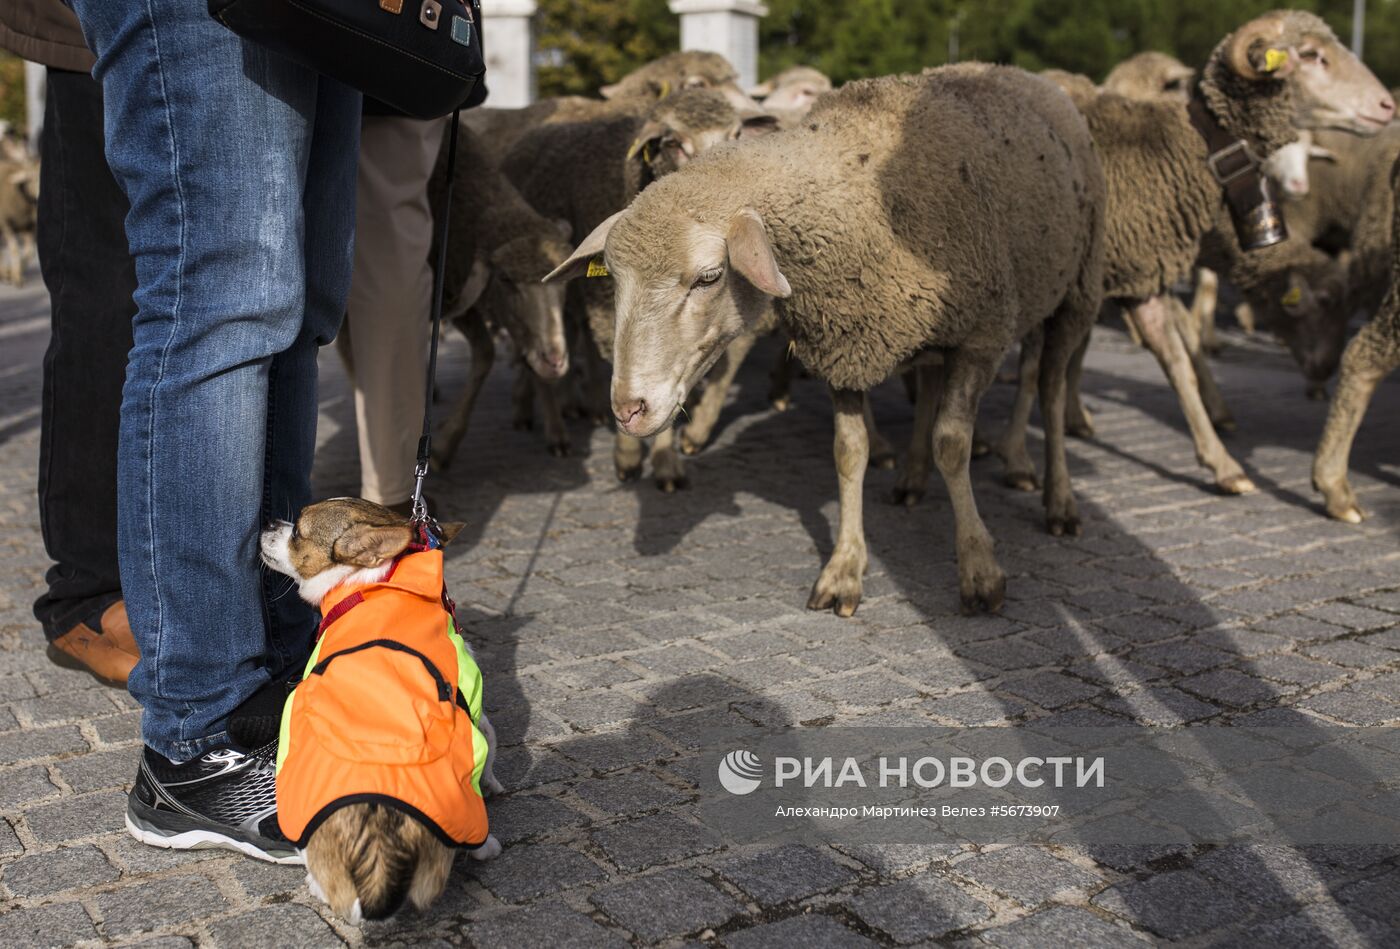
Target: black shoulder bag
[[421, 57]]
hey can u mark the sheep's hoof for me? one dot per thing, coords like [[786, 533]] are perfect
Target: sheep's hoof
[[1021, 480], [560, 449], [884, 460], [690, 446], [909, 497], [1064, 525], [1237, 484], [1317, 392], [988, 598], [671, 484], [1226, 424], [629, 473], [842, 602], [980, 447], [1351, 514], [780, 403]]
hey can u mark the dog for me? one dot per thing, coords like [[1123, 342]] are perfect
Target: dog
[[365, 721]]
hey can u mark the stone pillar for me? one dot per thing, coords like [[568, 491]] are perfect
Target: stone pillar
[[35, 83], [510, 51], [727, 27]]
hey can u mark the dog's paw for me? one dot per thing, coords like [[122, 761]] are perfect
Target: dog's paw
[[487, 851]]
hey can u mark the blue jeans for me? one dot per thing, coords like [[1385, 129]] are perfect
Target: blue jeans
[[240, 169]]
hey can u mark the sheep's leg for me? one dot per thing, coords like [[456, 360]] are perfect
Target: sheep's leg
[[483, 355], [522, 398], [1063, 334], [706, 414], [667, 469], [1214, 402], [1078, 421], [1244, 315], [551, 396], [597, 378], [1374, 352], [780, 380], [1154, 321], [910, 378], [981, 582], [881, 451], [1203, 305], [14, 269], [627, 457], [913, 479], [1020, 470], [839, 585]]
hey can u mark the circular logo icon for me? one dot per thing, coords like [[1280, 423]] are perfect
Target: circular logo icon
[[740, 771]]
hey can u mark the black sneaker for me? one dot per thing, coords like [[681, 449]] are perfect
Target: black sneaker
[[223, 799]]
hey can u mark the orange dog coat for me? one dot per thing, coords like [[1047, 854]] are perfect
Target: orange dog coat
[[386, 711]]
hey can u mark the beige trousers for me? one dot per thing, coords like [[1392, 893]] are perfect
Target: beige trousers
[[385, 338]]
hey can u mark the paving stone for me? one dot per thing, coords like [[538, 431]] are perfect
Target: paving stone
[[142, 907], [100, 770], [260, 879], [896, 858], [549, 924], [1352, 708], [788, 873], [9, 842], [1025, 874], [23, 786], [1352, 617], [974, 708], [1317, 925], [63, 707], [1162, 706], [1173, 905], [649, 841], [1062, 926], [528, 871], [285, 924], [1265, 875], [809, 931], [75, 817], [1228, 687], [922, 907], [519, 816], [48, 873], [629, 793], [669, 903], [1050, 689], [33, 743], [58, 924], [1295, 669]]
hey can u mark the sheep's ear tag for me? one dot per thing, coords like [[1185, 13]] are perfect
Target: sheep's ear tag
[[1275, 59], [596, 267], [1293, 297], [643, 146]]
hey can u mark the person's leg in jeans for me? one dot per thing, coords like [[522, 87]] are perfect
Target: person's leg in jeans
[[239, 168], [387, 328], [89, 274]]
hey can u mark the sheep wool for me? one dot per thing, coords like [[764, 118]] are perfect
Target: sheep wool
[[908, 213]]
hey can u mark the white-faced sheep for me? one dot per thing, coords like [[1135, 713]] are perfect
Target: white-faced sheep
[[499, 250], [1278, 72], [1371, 355], [622, 155], [1150, 75], [792, 91], [633, 95], [941, 215]]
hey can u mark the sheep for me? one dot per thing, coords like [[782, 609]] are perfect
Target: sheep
[[1150, 75], [632, 96], [792, 91], [1371, 355], [928, 219], [1277, 71], [19, 213], [623, 155], [1289, 165], [499, 249]]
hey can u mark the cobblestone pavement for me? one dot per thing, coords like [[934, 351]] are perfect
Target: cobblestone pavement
[[610, 618]]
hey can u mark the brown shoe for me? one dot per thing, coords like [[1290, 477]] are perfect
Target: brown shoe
[[108, 653]]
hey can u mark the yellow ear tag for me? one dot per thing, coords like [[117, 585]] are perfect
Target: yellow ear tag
[[665, 88], [596, 267], [1274, 60], [637, 146], [1293, 297]]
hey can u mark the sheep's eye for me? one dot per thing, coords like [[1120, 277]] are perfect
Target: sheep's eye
[[709, 277], [696, 82], [671, 144], [1311, 55]]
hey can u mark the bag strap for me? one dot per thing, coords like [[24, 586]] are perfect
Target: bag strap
[[420, 519]]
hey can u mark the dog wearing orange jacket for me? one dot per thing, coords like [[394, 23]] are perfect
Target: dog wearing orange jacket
[[385, 752]]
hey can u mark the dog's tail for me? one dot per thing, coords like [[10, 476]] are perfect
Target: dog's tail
[[367, 859]]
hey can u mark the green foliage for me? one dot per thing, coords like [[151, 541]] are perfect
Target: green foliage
[[12, 90], [600, 40]]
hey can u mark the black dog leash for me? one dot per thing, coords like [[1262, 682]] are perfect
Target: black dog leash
[[426, 524]]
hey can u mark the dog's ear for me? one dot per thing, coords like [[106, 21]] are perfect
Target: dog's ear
[[367, 546], [450, 530]]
